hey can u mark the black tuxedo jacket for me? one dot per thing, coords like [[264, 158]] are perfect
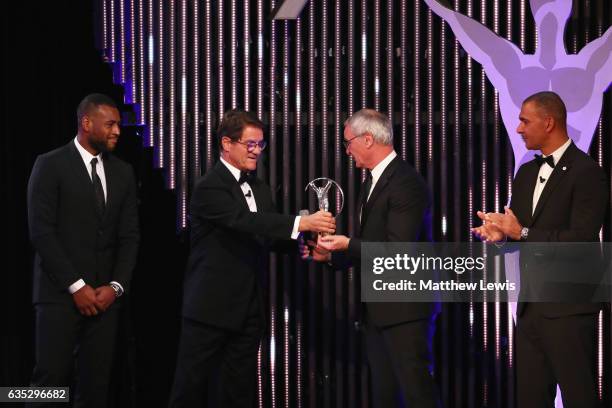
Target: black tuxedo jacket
[[398, 210], [228, 249], [571, 208], [71, 240]]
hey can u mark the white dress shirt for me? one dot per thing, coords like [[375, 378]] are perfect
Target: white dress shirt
[[545, 172], [250, 198], [376, 172], [87, 157]]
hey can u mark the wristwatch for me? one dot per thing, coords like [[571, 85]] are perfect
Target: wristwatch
[[524, 233], [117, 289]]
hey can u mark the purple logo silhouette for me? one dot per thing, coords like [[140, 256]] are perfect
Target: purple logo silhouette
[[580, 79]]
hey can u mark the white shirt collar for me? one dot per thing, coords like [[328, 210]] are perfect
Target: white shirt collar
[[85, 154], [557, 154], [378, 170], [235, 172]]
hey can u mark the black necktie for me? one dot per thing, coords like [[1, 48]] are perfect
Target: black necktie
[[245, 177], [98, 190], [548, 159]]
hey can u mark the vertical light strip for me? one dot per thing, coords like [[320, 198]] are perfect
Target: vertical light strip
[[171, 171], [390, 56], [430, 101], [233, 51], [273, 183], [184, 144], [600, 160], [324, 89], [313, 318], [260, 58], [337, 99], [326, 293], [445, 320], [340, 338], [364, 53], [443, 135], [147, 108], [457, 158], [133, 55], [522, 22], [195, 71], [351, 383], [404, 78], [208, 95], [351, 57], [220, 67], [122, 36], [299, 322], [247, 58], [600, 354], [260, 397], [161, 84], [112, 45], [287, 273], [484, 142], [326, 278], [496, 178], [377, 61], [141, 97], [574, 20], [105, 27], [417, 86], [509, 153], [470, 170]]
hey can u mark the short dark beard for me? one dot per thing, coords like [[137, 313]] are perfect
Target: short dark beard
[[100, 147]]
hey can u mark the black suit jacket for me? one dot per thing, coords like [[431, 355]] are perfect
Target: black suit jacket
[[398, 210], [71, 240], [571, 208], [228, 249]]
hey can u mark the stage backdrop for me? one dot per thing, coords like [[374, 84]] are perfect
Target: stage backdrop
[[184, 62]]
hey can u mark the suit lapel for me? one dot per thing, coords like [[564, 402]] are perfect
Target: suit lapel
[[531, 176], [378, 188], [557, 175], [229, 179], [111, 181], [82, 174]]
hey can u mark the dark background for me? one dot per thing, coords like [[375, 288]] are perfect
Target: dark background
[[49, 63]]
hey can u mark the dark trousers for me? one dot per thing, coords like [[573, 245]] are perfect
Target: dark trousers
[[553, 351], [205, 351], [66, 340], [401, 362]]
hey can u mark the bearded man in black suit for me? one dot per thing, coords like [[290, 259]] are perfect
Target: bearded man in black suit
[[83, 222]]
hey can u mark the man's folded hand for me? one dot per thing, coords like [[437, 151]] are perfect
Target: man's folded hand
[[321, 221]]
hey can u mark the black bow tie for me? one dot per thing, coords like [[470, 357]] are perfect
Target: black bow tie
[[245, 177], [548, 159]]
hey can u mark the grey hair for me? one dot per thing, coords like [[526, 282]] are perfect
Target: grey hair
[[372, 122]]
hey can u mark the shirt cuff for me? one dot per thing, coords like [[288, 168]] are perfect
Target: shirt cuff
[[296, 225], [118, 284], [76, 286]]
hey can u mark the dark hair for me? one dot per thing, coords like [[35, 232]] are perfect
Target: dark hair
[[551, 104], [91, 102], [234, 122]]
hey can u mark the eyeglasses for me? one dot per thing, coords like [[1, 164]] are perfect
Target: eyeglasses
[[251, 145], [346, 143]]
